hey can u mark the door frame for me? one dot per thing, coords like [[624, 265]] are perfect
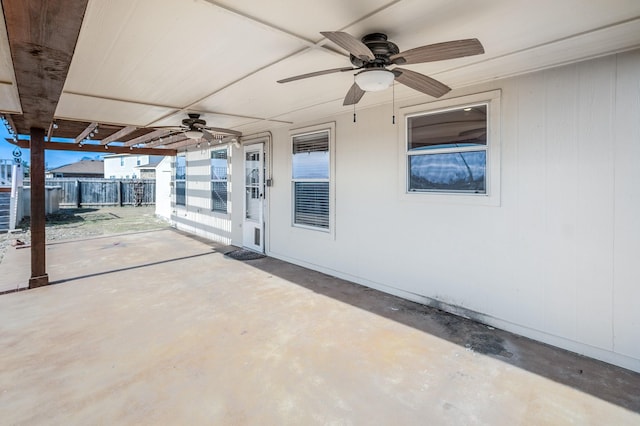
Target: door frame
[[251, 146]]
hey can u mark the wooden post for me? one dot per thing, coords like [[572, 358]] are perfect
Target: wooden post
[[39, 275]]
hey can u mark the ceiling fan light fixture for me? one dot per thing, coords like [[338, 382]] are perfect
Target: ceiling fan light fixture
[[374, 80], [193, 134]]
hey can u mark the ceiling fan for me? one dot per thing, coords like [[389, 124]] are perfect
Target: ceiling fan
[[374, 53], [196, 128]]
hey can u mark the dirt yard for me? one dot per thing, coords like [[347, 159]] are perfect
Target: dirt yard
[[87, 222]]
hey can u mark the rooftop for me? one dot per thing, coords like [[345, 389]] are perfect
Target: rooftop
[[82, 166]]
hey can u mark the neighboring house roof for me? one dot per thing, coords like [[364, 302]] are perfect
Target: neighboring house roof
[[150, 165], [81, 167]]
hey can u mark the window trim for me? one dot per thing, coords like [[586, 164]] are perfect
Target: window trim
[[330, 128], [492, 171], [211, 181], [176, 180]]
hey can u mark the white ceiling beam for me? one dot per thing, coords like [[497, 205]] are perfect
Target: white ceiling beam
[[177, 110], [90, 128], [626, 27], [149, 136], [119, 134], [309, 45]]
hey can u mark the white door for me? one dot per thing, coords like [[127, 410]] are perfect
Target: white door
[[254, 190]]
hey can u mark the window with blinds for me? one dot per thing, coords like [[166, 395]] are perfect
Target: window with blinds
[[310, 178], [180, 182], [219, 180]]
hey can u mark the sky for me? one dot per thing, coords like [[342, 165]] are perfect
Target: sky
[[52, 159]]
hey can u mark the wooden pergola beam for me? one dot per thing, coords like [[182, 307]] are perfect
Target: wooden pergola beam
[[149, 136], [50, 132], [10, 123], [167, 141], [117, 135], [42, 36], [86, 132], [62, 146]]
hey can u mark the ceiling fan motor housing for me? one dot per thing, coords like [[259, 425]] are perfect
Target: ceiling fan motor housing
[[381, 48], [193, 120]]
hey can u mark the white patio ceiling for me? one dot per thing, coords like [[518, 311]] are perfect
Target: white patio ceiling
[[148, 62]]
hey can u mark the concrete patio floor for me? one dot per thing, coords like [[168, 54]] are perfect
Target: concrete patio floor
[[161, 328]]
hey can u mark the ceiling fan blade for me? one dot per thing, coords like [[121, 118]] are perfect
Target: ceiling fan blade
[[439, 52], [207, 136], [421, 82], [350, 44], [313, 74], [222, 131], [353, 95], [474, 132]]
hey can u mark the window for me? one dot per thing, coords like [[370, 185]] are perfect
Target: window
[[137, 161], [310, 178], [219, 180], [180, 180], [447, 150], [121, 161]]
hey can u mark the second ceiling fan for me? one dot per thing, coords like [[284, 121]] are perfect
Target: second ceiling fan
[[374, 53]]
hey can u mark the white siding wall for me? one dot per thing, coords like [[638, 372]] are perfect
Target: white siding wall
[[196, 217], [554, 261], [164, 177], [113, 166]]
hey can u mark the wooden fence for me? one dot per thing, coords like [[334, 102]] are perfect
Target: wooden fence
[[85, 192]]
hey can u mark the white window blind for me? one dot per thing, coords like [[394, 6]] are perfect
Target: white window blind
[[310, 177]]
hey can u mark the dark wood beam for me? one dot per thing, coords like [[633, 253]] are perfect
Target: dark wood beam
[[42, 37], [39, 275], [64, 146]]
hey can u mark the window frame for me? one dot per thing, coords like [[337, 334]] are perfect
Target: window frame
[[224, 149], [329, 128], [491, 196], [176, 180]]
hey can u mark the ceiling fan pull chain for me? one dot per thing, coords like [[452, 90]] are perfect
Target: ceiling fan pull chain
[[354, 104], [393, 103]]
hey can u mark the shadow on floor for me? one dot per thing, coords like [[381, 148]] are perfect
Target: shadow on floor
[[605, 381]]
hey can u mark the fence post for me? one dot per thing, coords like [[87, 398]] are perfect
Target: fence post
[[120, 193], [78, 194]]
